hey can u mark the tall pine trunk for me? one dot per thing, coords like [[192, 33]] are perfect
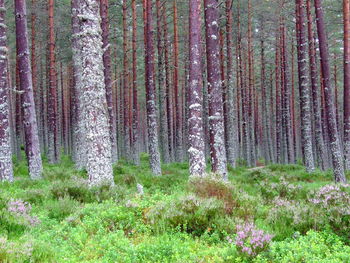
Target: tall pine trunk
[[320, 146], [337, 157], [108, 77], [304, 89], [152, 125], [93, 95], [346, 10], [6, 169], [135, 104], [28, 107], [53, 150], [230, 92], [216, 120], [195, 96]]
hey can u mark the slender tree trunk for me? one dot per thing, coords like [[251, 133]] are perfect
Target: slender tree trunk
[[178, 118], [195, 121], [320, 146], [28, 106], [53, 150], [163, 117], [126, 82], [286, 98], [108, 76], [152, 125], [305, 108], [135, 110], [346, 10], [337, 157], [79, 134], [216, 121], [231, 112], [93, 95], [6, 169]]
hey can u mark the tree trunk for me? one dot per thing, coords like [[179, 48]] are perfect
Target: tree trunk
[[135, 110], [28, 106], [79, 138], [231, 112], [195, 121], [163, 118], [93, 95], [305, 109], [178, 118], [337, 157], [108, 76], [346, 8], [126, 83], [6, 169], [320, 146], [53, 150], [216, 121], [152, 125]]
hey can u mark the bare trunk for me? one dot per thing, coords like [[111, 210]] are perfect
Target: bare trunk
[[337, 157], [6, 169], [305, 107], [152, 125], [216, 121], [93, 95], [28, 106], [108, 76], [195, 121], [346, 8]]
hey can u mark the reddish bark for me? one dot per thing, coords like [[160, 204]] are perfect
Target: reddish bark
[[108, 76], [152, 125], [216, 121], [29, 115], [337, 157], [346, 8]]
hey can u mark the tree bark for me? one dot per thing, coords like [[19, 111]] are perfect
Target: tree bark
[[230, 92], [320, 146], [216, 121], [93, 95], [337, 157], [163, 117], [26, 87], [346, 10], [305, 108], [195, 121], [6, 169], [108, 76], [152, 125], [135, 110], [53, 150]]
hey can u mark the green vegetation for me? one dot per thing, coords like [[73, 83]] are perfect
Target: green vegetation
[[59, 219]]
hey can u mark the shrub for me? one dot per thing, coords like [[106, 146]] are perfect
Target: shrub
[[314, 247], [250, 241], [191, 213], [214, 187], [20, 211], [62, 208], [79, 190], [289, 216], [333, 204]]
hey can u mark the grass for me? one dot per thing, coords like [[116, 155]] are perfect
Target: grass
[[175, 220]]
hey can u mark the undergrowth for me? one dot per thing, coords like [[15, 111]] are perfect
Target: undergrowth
[[276, 213]]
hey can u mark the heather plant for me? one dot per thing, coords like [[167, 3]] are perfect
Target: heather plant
[[333, 203], [250, 241], [21, 212], [286, 217], [191, 213]]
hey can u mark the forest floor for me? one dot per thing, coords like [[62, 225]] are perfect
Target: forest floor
[[277, 213]]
